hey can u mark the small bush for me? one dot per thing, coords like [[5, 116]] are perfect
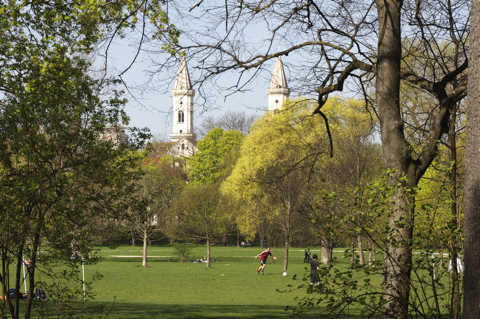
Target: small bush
[[183, 252]]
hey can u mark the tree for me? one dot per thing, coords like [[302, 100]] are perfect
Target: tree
[[333, 43], [56, 170], [472, 176], [437, 190], [264, 174], [157, 190], [199, 214], [228, 121], [210, 151], [356, 164]]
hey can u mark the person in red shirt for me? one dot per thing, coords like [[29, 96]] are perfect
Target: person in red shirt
[[263, 259]]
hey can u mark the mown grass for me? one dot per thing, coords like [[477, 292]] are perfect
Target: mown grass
[[169, 289]]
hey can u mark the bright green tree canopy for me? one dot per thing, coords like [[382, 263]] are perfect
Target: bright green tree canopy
[[205, 163]]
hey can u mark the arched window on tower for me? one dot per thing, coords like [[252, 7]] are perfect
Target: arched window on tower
[[183, 147], [181, 117]]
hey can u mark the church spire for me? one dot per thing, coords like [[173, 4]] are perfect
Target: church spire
[[183, 78], [278, 91], [278, 76], [183, 106]]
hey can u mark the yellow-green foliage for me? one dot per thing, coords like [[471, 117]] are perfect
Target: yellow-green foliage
[[356, 159], [349, 116], [272, 137], [294, 138], [276, 143], [434, 201], [290, 138]]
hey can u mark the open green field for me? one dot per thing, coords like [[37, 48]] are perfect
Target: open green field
[[231, 288], [168, 289]]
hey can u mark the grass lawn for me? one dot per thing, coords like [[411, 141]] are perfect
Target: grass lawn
[[231, 288], [168, 289]]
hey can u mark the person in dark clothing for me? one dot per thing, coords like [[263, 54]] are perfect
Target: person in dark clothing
[[306, 259], [314, 267]]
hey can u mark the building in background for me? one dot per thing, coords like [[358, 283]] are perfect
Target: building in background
[[183, 140]]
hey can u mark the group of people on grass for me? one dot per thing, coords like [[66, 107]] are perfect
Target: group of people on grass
[[314, 265]]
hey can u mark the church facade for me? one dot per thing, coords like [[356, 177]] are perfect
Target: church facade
[[183, 139]]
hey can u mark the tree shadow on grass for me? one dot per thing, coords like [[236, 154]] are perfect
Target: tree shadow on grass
[[139, 310]]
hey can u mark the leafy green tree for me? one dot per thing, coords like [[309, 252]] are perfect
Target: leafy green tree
[[211, 149], [284, 170], [157, 189], [57, 173], [199, 213], [263, 176], [356, 163], [334, 44]]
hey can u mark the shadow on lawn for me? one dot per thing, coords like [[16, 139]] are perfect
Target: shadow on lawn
[[138, 310]]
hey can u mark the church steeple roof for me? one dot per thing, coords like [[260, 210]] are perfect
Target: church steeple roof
[[183, 78], [278, 76]]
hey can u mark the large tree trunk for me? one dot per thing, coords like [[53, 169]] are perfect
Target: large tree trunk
[[238, 237], [360, 249], [145, 241], [208, 252], [471, 300], [31, 272], [352, 250], [287, 233], [5, 275], [440, 257], [396, 155], [18, 268], [370, 251], [327, 251], [456, 299], [285, 260], [261, 233]]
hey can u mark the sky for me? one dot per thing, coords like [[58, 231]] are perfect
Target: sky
[[152, 108]]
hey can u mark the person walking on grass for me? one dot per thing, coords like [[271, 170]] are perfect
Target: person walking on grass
[[314, 267], [263, 259], [307, 257]]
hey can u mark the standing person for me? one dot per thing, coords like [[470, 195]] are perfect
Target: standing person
[[306, 259], [263, 259], [309, 255], [314, 267]]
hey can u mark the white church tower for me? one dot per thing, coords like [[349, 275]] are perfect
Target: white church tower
[[278, 91], [183, 106]]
